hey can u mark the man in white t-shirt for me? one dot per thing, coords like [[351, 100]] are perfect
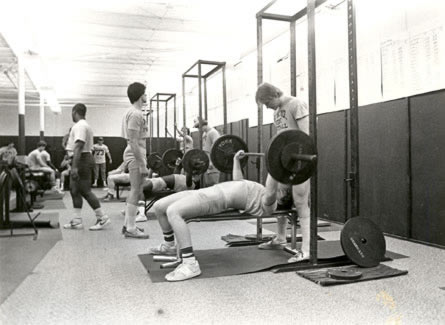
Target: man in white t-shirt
[[100, 152], [80, 144], [38, 162], [289, 113]]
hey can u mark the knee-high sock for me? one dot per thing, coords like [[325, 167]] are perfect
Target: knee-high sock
[[281, 228], [305, 224]]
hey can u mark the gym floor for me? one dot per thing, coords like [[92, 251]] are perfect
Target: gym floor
[[97, 278]]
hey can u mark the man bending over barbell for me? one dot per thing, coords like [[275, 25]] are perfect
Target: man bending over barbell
[[173, 211], [289, 113]]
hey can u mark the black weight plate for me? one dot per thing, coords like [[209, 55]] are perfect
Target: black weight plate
[[344, 274], [154, 161], [363, 242], [31, 186], [223, 150], [195, 162], [280, 163], [170, 156]]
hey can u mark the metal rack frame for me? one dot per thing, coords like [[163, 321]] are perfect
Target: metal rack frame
[[161, 98], [352, 177], [202, 78]]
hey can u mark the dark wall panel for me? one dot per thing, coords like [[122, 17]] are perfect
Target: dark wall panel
[[331, 160], [384, 165], [428, 167]]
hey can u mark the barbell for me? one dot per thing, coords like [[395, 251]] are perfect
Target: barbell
[[195, 161], [291, 157]]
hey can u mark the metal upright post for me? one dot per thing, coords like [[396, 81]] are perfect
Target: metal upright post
[[166, 108], [293, 60], [206, 113], [174, 120], [312, 75], [259, 165], [42, 117], [353, 103], [151, 126], [183, 101], [224, 97], [21, 99], [157, 123], [200, 104]]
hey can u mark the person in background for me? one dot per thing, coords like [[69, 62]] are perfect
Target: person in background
[[209, 136], [65, 167], [100, 152], [80, 144], [8, 153], [37, 163]]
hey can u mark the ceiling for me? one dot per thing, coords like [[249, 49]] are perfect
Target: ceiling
[[90, 51]]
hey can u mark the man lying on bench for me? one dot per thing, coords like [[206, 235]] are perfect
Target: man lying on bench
[[173, 211]]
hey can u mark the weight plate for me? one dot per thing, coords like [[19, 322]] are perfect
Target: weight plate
[[363, 242], [154, 161], [195, 162], [31, 186], [280, 157], [170, 156], [223, 151], [344, 274]]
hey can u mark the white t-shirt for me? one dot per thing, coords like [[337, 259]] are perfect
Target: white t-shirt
[[286, 117], [45, 156], [34, 159], [254, 203], [99, 152], [81, 131]]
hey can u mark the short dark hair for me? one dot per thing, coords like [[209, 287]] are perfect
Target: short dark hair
[[135, 91], [187, 130], [80, 109], [41, 144]]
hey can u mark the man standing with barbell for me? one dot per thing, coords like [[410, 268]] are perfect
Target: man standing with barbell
[[289, 113]]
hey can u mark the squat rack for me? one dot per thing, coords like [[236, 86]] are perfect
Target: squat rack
[[158, 98], [200, 76], [352, 178]]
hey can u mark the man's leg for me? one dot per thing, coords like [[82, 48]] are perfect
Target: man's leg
[[300, 195], [284, 201], [103, 170], [85, 168], [76, 221], [96, 174], [52, 175], [112, 179], [131, 209], [167, 247]]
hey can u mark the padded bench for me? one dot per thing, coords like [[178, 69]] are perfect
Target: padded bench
[[119, 186]]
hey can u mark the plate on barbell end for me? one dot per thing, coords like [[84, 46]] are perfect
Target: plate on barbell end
[[279, 162], [223, 150], [363, 242], [170, 156], [195, 162], [344, 274], [154, 161]]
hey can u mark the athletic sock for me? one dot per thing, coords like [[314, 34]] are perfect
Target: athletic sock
[[77, 213], [131, 211], [169, 237], [99, 213], [187, 254]]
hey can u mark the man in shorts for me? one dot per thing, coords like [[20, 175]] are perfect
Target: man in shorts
[[289, 113], [135, 131], [173, 211]]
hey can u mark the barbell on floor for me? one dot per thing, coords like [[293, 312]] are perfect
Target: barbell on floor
[[291, 156]]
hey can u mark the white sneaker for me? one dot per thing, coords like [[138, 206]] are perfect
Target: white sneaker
[[101, 223], [141, 218], [162, 249], [299, 257], [185, 270], [75, 223]]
